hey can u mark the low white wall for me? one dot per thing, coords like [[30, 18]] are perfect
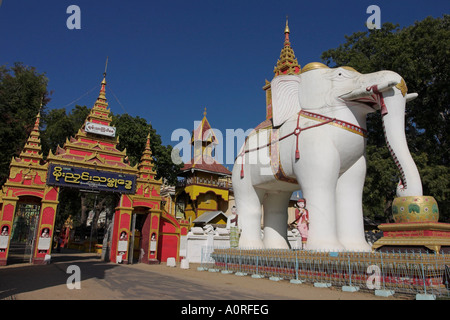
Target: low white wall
[[198, 243]]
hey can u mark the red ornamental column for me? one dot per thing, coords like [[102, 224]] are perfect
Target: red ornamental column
[[155, 218], [121, 230], [6, 223], [44, 235]]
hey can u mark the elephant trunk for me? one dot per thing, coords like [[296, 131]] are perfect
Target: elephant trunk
[[394, 132]]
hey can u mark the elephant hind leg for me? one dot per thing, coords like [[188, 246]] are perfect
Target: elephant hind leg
[[275, 220]]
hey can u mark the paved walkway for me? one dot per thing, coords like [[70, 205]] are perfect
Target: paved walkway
[[109, 281]]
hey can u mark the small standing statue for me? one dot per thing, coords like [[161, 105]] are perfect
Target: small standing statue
[[302, 219], [232, 225]]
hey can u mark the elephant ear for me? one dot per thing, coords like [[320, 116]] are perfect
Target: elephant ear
[[285, 98]]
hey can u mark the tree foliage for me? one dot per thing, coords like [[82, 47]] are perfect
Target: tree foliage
[[420, 54], [22, 92], [60, 125], [133, 132]]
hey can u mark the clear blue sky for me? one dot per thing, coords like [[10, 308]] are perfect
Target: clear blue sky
[[168, 60]]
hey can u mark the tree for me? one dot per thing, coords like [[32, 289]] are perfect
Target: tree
[[420, 54], [133, 132], [380, 185], [23, 90], [436, 182], [69, 205], [60, 126]]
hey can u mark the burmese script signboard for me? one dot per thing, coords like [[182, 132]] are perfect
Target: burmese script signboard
[[76, 177], [98, 128]]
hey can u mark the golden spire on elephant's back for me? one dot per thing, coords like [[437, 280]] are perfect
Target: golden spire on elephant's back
[[287, 64]]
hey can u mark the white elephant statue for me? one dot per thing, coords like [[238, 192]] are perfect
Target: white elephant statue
[[316, 143]]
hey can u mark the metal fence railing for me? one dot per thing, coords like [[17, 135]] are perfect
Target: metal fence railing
[[396, 272]]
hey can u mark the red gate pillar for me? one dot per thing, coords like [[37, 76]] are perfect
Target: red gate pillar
[[121, 230], [155, 219], [6, 223], [46, 226]]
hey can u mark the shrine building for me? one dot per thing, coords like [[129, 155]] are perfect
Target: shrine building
[[205, 184]]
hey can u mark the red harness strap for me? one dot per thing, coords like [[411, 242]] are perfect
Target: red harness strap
[[296, 131], [325, 120]]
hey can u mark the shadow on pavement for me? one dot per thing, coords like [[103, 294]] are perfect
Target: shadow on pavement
[[26, 277]]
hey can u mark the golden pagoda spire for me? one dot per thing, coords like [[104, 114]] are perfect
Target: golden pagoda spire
[[287, 64], [100, 112], [146, 164], [32, 149], [147, 144]]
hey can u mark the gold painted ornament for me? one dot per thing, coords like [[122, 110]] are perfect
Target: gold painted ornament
[[415, 209]]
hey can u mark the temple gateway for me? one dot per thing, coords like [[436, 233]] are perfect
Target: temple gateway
[[89, 161]]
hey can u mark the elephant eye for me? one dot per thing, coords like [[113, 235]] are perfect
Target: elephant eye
[[340, 73]]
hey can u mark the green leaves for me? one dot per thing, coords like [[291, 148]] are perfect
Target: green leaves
[[59, 126], [133, 133], [22, 90], [381, 183]]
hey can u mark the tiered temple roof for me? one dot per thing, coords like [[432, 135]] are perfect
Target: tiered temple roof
[[145, 166], [32, 149], [203, 140], [28, 169], [88, 149]]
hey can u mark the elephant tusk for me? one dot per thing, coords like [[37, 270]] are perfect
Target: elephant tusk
[[356, 94], [383, 87], [366, 92], [411, 96]]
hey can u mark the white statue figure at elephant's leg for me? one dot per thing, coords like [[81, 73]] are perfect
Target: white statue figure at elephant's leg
[[275, 206], [349, 214]]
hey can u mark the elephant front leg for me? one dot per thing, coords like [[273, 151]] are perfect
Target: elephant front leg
[[322, 235], [350, 223], [248, 203], [275, 220], [318, 177]]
